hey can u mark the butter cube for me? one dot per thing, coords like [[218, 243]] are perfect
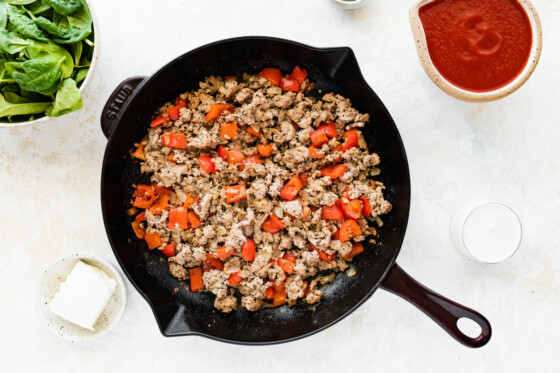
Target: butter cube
[[83, 296]]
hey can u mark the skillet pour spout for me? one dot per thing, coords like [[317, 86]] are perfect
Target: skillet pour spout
[[179, 312]]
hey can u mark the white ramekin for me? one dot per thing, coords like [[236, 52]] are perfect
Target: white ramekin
[[462, 94], [84, 83], [50, 283]]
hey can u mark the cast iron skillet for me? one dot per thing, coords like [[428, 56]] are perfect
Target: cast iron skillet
[[179, 312]]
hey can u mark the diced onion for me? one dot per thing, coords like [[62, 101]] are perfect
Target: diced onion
[[279, 212], [378, 221], [350, 272]]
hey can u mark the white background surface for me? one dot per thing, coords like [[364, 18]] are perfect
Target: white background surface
[[507, 151]]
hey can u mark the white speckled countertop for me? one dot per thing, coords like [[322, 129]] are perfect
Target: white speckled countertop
[[507, 151]]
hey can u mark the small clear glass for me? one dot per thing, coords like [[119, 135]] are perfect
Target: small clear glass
[[485, 231]]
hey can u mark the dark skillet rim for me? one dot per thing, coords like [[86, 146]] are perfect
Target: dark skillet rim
[[153, 77]]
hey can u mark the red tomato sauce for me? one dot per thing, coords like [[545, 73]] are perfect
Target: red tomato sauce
[[477, 45]]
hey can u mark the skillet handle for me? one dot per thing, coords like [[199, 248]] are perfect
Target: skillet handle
[[443, 311], [116, 101]]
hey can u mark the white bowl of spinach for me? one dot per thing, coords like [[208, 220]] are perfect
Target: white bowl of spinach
[[47, 53]]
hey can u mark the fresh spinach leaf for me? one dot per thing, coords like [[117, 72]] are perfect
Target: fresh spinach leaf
[[26, 27], [68, 99], [3, 15], [34, 96], [7, 109], [41, 75], [77, 48], [38, 7], [11, 43], [19, 2], [62, 36], [37, 49], [14, 98], [79, 20], [81, 75], [65, 7]]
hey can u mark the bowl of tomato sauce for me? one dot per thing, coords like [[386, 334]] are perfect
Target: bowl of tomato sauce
[[477, 50]]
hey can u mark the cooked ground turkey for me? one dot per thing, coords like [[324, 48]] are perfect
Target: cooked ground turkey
[[284, 120]]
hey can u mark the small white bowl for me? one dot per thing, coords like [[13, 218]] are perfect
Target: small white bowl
[[351, 4], [84, 83], [50, 283], [462, 94]]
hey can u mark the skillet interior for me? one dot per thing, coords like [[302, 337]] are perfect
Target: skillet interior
[[180, 312]]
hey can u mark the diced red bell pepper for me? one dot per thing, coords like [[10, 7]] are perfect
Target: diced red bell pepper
[[216, 110], [269, 292], [252, 131], [180, 102], [235, 278], [291, 189], [194, 220], [207, 164], [272, 224], [306, 212], [159, 205], [173, 112], [139, 231], [224, 253], [334, 171], [289, 257], [357, 248], [169, 250], [189, 201], [351, 139], [248, 250], [272, 75], [264, 150], [222, 152], [289, 84], [366, 209], [171, 157], [235, 193], [298, 74], [304, 176], [235, 156], [351, 209], [141, 217], [197, 282], [228, 131], [280, 297], [145, 196], [286, 265], [216, 263], [161, 190], [139, 152], [153, 240], [323, 255], [348, 230], [333, 212], [159, 121], [328, 128], [314, 153], [318, 138], [336, 235], [174, 140], [256, 159], [178, 217]]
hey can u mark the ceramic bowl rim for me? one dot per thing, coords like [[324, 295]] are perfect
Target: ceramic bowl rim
[[84, 83], [470, 96]]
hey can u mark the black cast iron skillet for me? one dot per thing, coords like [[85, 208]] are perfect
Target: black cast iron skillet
[[179, 312]]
